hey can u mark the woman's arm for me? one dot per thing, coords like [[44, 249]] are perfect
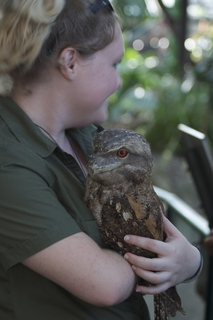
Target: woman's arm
[[177, 260], [104, 278], [79, 265]]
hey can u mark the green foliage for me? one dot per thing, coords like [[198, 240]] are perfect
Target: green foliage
[[155, 98], [131, 13]]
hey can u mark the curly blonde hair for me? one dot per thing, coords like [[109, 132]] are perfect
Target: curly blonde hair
[[24, 26]]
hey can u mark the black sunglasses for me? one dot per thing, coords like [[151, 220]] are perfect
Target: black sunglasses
[[99, 4]]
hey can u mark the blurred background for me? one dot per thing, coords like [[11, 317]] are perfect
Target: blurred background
[[167, 69], [167, 74]]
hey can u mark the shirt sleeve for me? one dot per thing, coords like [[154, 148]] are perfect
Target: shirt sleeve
[[31, 216]]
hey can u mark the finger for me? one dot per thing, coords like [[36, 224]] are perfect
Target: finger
[[153, 264], [153, 289], [154, 278], [169, 228], [155, 246]]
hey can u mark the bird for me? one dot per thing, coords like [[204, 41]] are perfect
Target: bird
[[120, 195]]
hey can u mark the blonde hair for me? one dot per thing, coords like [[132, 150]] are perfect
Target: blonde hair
[[34, 32], [24, 26]]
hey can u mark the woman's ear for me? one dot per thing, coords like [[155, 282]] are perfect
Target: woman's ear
[[67, 63]]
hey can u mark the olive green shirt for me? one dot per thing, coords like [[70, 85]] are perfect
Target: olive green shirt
[[41, 202]]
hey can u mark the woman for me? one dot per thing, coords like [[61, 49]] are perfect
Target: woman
[[62, 57]]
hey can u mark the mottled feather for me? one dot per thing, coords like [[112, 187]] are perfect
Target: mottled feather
[[120, 194]]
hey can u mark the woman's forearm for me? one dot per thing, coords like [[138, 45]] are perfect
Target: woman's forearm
[[79, 265]]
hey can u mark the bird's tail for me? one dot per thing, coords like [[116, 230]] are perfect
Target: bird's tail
[[167, 304]]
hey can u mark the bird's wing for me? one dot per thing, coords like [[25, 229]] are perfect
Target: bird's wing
[[143, 212]]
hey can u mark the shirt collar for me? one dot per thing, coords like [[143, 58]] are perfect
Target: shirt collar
[[29, 134], [24, 129]]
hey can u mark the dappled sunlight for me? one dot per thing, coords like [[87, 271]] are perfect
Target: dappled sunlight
[[165, 81]]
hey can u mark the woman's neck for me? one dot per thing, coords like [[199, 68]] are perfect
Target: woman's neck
[[42, 108]]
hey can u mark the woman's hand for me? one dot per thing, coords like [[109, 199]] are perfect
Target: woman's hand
[[177, 260]]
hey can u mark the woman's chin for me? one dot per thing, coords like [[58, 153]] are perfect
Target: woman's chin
[[101, 118]]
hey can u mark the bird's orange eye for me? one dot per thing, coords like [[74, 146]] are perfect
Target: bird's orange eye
[[122, 153]]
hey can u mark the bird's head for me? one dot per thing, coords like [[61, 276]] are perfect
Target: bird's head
[[120, 155]]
